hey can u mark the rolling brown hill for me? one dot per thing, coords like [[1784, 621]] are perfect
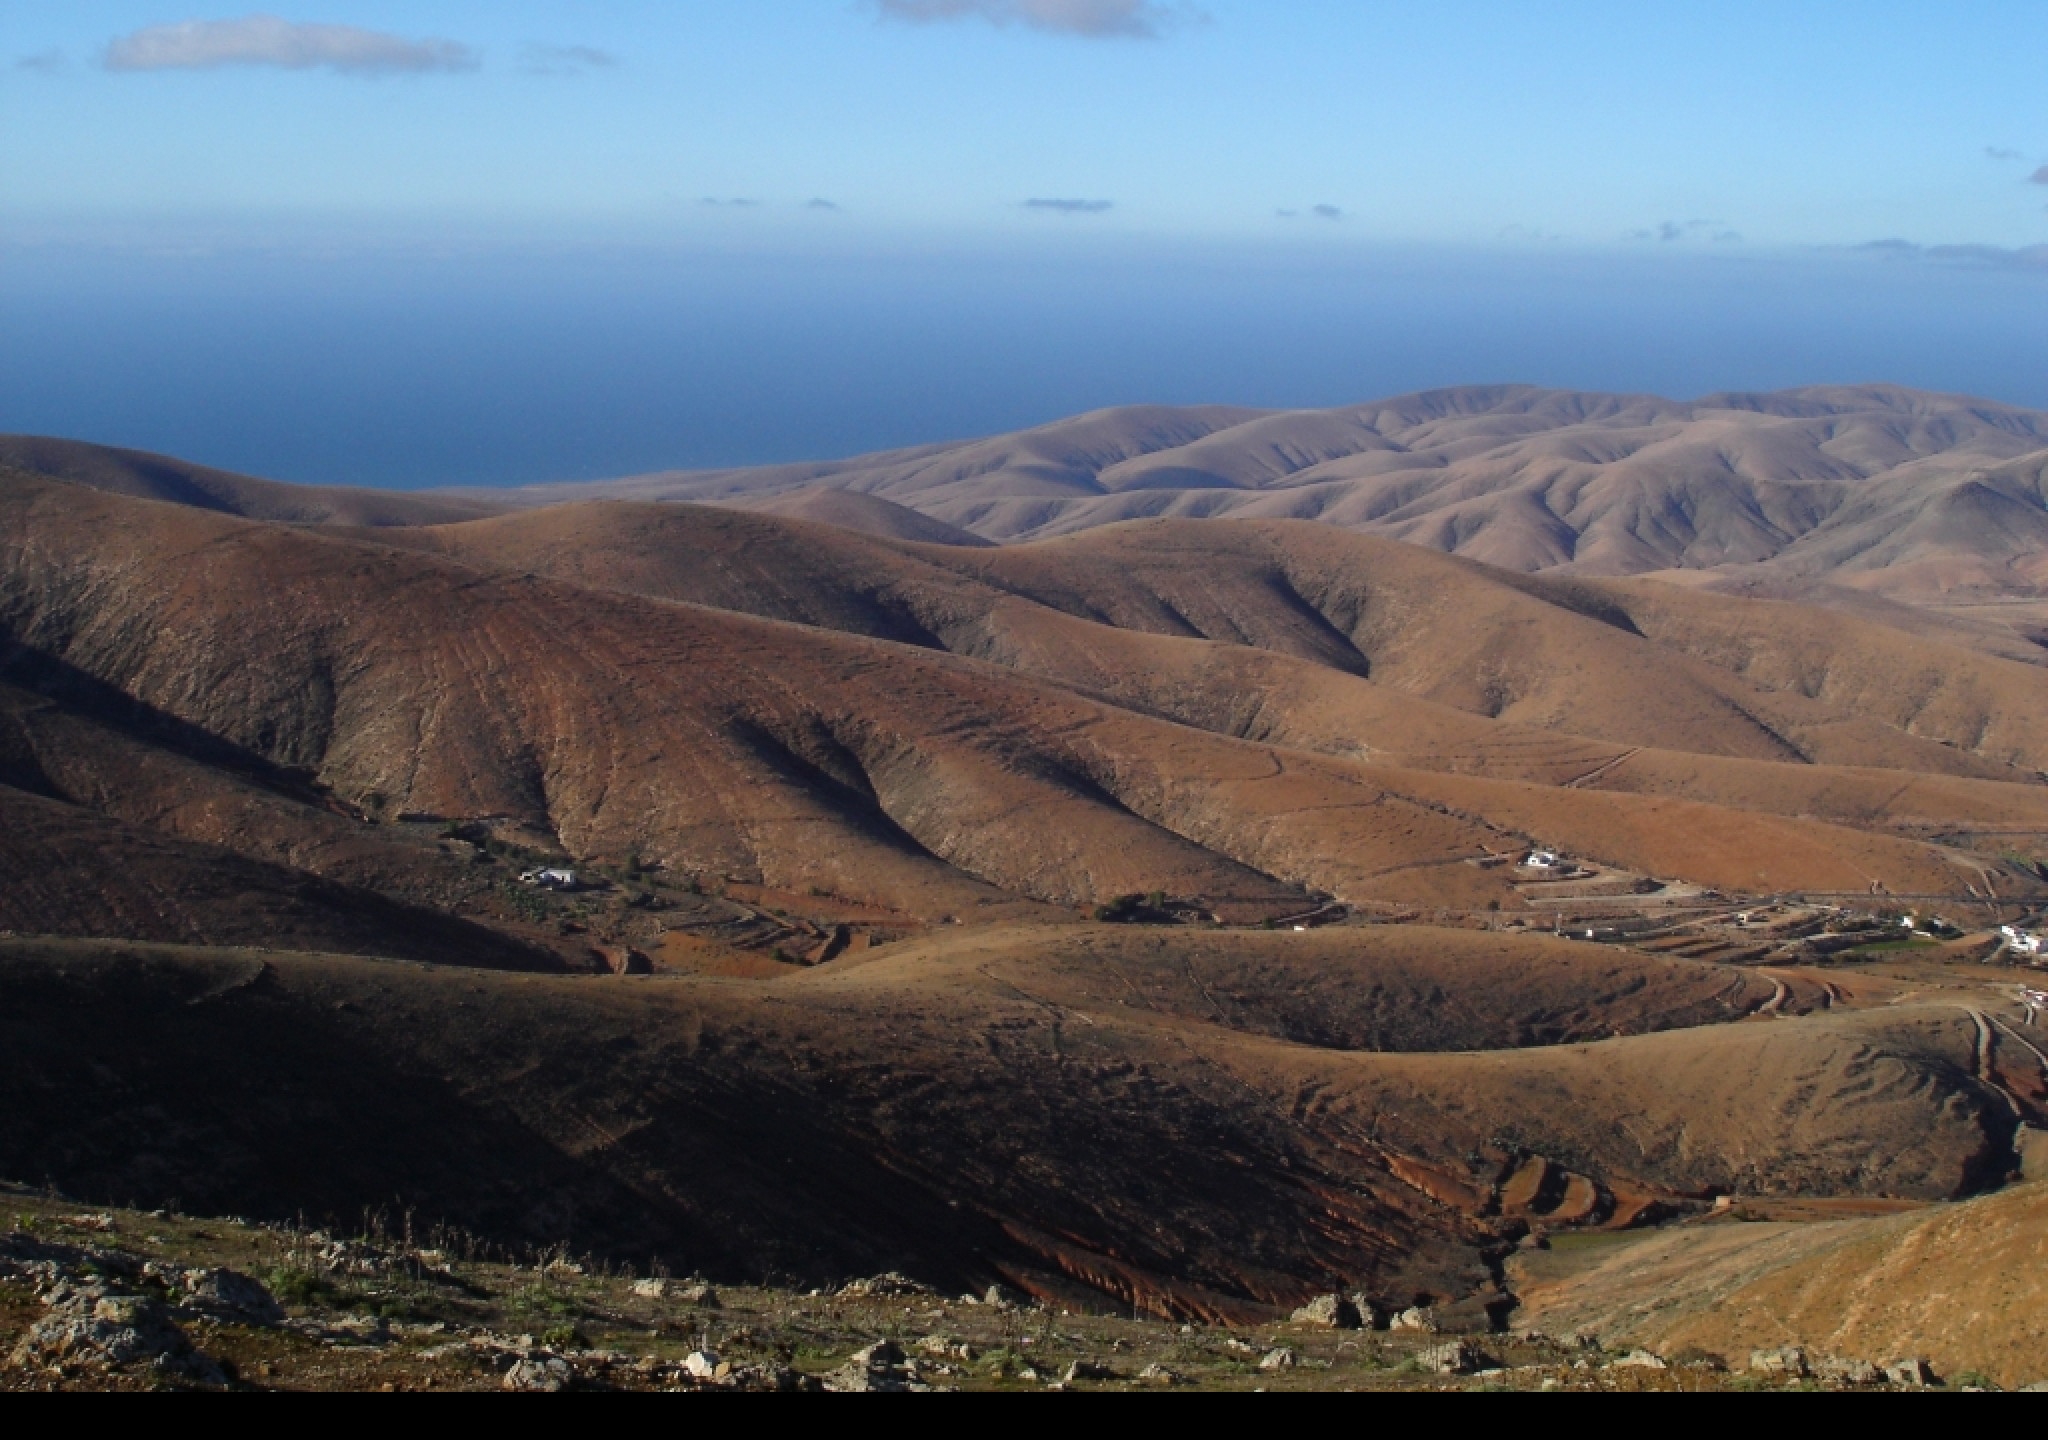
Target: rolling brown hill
[[972, 1111], [1354, 627], [868, 514], [725, 745], [265, 784], [1921, 496], [160, 477]]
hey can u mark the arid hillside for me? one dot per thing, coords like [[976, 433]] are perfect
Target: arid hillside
[[160, 477], [723, 745], [982, 1110], [1350, 646], [1967, 1287], [1156, 915], [1919, 496]]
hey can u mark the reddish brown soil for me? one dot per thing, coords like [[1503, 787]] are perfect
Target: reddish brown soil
[[852, 797]]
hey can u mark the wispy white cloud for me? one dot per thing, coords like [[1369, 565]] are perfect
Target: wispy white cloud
[[1072, 207], [1999, 152], [49, 62], [566, 60], [267, 40], [2040, 177], [1097, 19]]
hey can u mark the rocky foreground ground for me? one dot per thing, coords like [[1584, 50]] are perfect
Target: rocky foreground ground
[[126, 1300]]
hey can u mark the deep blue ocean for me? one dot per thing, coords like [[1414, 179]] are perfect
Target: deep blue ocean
[[412, 371]]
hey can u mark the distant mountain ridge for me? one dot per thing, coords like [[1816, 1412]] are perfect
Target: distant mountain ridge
[[1848, 497], [1883, 489], [145, 476]]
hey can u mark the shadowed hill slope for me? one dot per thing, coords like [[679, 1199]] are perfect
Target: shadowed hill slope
[[71, 872], [857, 1118]]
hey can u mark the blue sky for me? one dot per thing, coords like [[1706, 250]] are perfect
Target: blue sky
[[1469, 121], [1305, 180]]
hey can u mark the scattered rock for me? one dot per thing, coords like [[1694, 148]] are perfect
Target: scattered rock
[[1233, 1343], [1454, 1357], [1639, 1360], [231, 1296], [1160, 1375], [1914, 1374], [702, 1296], [25, 1257], [352, 1257], [1418, 1318], [540, 1373], [781, 1380], [879, 1369], [656, 1289], [87, 1328], [1282, 1359], [703, 1365], [1002, 1297], [1087, 1370], [890, 1286], [1332, 1312], [1849, 1372], [1790, 1360]]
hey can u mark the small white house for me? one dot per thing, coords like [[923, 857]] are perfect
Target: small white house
[[549, 879], [1543, 860]]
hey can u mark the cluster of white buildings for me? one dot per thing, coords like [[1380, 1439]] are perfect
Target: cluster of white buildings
[[2022, 942], [550, 879]]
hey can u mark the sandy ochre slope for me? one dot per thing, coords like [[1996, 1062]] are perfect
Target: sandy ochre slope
[[1965, 1287], [1352, 647], [724, 744]]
